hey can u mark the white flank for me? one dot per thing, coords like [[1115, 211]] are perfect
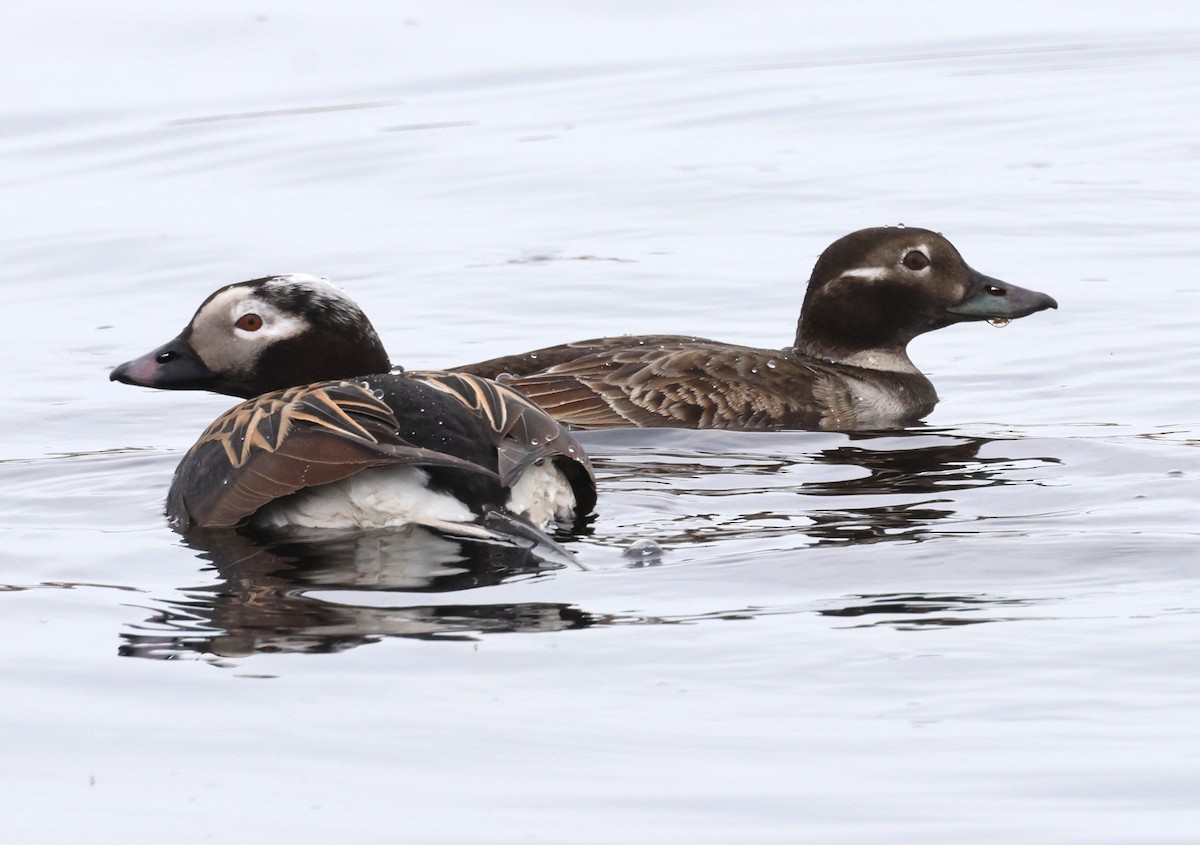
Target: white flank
[[543, 495], [381, 497]]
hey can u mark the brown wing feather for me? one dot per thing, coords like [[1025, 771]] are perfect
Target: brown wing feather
[[284, 441], [523, 432], [689, 384], [540, 360]]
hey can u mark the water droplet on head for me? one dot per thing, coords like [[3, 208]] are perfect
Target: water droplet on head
[[899, 225], [533, 441], [1000, 322], [754, 370], [771, 364]]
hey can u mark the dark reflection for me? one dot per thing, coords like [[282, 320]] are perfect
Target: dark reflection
[[952, 464], [897, 474], [339, 592], [274, 596], [915, 611], [262, 601], [262, 604], [858, 526], [898, 485]]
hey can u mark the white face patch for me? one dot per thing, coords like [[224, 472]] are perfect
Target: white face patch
[[276, 325], [226, 349], [866, 274]]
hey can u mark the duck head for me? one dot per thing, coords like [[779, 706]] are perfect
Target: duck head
[[265, 334], [874, 290]]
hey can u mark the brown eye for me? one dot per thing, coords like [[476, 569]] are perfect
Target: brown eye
[[915, 260], [249, 322]]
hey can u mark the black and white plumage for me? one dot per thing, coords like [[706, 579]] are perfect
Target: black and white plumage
[[871, 292], [329, 437]]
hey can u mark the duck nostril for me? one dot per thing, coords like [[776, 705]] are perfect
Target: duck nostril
[[166, 357], [995, 291]]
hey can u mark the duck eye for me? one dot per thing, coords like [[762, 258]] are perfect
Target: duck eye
[[249, 322], [915, 260]]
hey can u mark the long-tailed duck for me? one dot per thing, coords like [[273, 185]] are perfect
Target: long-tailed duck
[[330, 437], [871, 292]]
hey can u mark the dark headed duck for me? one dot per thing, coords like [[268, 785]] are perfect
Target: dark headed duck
[[871, 292]]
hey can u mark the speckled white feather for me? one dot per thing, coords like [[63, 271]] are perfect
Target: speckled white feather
[[327, 296], [543, 495]]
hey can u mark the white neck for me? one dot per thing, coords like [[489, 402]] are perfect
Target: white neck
[[891, 360]]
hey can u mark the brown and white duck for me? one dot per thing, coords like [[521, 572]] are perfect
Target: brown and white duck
[[331, 437], [871, 292]]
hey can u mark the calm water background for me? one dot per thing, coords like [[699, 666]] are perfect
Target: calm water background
[[983, 629]]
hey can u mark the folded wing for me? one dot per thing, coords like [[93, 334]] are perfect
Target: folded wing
[[284, 441], [680, 382]]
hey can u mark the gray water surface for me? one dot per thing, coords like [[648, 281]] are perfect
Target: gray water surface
[[980, 629]]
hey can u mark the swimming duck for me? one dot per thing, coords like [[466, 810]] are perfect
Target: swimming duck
[[870, 293], [331, 437]]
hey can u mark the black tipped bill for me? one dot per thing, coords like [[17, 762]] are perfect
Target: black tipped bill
[[173, 366], [992, 299]]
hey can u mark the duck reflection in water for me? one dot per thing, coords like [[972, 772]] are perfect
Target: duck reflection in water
[[948, 465], [261, 603], [264, 600], [901, 485]]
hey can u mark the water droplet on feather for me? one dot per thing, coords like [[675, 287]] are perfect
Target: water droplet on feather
[[643, 550]]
